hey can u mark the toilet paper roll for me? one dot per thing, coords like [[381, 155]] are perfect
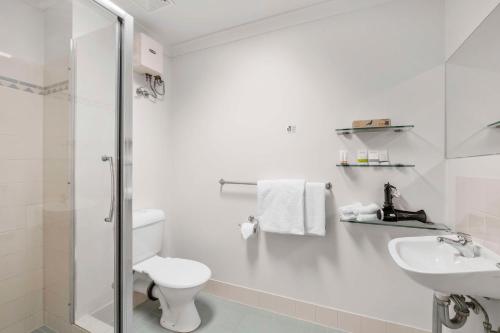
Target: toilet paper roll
[[247, 230]]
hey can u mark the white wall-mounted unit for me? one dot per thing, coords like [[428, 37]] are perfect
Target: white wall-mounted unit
[[148, 55]]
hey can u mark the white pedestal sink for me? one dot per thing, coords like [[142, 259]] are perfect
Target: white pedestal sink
[[440, 267]]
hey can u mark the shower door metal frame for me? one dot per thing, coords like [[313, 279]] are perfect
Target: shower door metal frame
[[123, 276]]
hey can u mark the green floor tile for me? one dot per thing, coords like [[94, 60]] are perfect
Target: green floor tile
[[222, 316]]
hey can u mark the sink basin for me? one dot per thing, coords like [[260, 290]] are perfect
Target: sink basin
[[440, 267]]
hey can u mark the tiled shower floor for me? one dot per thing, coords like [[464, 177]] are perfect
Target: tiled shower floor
[[222, 316]]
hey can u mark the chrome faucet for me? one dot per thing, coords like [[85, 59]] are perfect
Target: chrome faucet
[[464, 244]]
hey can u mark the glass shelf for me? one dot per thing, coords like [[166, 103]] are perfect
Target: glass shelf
[[398, 165], [494, 125], [406, 224], [401, 128]]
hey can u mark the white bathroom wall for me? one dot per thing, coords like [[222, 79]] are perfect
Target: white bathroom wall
[[231, 107], [474, 208], [21, 167], [473, 184], [472, 71], [462, 17], [152, 144]]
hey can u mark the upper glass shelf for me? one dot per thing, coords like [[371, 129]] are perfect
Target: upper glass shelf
[[401, 128], [406, 224], [494, 125]]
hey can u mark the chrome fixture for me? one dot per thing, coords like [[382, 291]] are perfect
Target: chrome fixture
[[222, 182], [478, 308], [154, 89], [254, 221], [461, 309], [441, 313], [141, 91], [109, 159], [464, 244]]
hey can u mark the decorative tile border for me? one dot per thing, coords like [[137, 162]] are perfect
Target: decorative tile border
[[33, 88], [318, 314]]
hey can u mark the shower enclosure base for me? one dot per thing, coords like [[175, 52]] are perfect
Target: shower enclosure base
[[101, 321]]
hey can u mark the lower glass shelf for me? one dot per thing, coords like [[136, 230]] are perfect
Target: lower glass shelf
[[494, 125], [405, 224], [397, 165]]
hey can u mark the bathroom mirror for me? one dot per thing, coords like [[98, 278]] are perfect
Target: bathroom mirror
[[473, 93]]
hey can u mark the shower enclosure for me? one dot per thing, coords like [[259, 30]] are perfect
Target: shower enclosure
[[65, 166]]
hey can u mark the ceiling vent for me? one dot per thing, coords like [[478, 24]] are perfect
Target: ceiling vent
[[153, 5]]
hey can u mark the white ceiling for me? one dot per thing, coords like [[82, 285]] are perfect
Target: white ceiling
[[190, 19], [190, 25]]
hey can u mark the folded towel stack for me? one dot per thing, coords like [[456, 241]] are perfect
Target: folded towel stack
[[348, 213], [358, 212]]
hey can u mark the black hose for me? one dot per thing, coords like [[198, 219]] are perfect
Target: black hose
[[150, 83], [150, 291], [161, 83]]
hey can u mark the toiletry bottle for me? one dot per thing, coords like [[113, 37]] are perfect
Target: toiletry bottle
[[373, 157], [362, 157], [343, 157]]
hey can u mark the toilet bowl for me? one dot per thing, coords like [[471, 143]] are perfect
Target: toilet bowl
[[174, 282]]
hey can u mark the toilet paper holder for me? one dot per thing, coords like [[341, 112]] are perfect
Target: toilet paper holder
[[252, 219]]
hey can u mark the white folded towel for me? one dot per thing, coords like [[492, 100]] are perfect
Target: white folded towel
[[315, 209], [280, 206], [349, 209], [367, 209], [366, 217], [347, 217]]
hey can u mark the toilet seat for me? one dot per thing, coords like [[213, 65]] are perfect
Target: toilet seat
[[174, 272]]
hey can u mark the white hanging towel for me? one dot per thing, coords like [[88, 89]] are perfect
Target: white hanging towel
[[280, 206], [315, 209]]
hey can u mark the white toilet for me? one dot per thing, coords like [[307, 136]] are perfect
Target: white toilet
[[174, 282]]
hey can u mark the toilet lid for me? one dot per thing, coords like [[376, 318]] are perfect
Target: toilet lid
[[174, 272]]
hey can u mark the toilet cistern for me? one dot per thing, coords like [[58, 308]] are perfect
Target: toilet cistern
[[174, 282]]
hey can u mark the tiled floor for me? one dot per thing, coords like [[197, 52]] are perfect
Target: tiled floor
[[222, 316]]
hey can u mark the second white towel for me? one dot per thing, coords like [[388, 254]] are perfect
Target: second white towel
[[315, 209]]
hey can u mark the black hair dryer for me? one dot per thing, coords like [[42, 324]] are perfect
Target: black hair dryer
[[390, 214]]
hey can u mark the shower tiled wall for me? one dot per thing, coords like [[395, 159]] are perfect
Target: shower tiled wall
[[21, 168], [21, 198]]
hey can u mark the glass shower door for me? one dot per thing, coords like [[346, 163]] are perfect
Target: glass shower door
[[96, 74]]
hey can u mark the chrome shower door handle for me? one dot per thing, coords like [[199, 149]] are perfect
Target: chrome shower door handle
[[109, 159]]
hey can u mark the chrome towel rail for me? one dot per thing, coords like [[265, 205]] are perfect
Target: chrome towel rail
[[223, 182]]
